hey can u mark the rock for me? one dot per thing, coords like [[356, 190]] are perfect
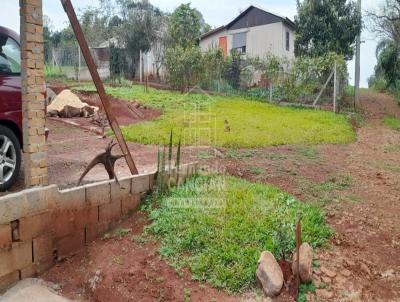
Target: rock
[[345, 272], [323, 293], [70, 111], [50, 96], [95, 280], [349, 263], [306, 257], [328, 272], [364, 268], [52, 113], [326, 280], [30, 290], [67, 98], [340, 279], [269, 274]]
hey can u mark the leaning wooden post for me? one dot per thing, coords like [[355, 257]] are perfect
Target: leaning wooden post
[[69, 9], [335, 87]]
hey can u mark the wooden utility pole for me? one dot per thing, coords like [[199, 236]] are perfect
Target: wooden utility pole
[[69, 9], [357, 69]]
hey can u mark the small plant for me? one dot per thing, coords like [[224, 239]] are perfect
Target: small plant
[[164, 176], [121, 232], [304, 290], [392, 122], [256, 170]]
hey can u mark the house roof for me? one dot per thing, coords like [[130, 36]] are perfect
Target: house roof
[[283, 19]]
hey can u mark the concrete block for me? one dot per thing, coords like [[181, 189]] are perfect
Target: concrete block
[[36, 269], [140, 183], [18, 257], [8, 280], [131, 204], [98, 193], [110, 212], [5, 236], [71, 199], [43, 249], [122, 190], [69, 245], [33, 226], [28, 202], [95, 231]]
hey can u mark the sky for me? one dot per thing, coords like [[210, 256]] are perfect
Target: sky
[[216, 13]]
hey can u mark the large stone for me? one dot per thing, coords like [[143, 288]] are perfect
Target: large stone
[[306, 257], [269, 274], [32, 290], [68, 104]]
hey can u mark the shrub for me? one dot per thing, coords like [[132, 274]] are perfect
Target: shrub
[[184, 67]]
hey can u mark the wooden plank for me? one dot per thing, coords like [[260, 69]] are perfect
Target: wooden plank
[[99, 84]]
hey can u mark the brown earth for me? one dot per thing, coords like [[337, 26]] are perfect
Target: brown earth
[[358, 185]]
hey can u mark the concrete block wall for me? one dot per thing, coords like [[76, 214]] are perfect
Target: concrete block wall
[[33, 99], [43, 225]]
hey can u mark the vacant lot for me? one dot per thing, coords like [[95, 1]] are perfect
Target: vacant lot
[[356, 185], [230, 122]]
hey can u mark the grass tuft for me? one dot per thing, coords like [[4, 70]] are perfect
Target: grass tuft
[[217, 226], [392, 122]]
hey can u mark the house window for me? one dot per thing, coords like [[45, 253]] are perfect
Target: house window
[[287, 41], [239, 42]]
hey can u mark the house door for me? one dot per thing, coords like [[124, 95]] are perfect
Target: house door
[[223, 44]]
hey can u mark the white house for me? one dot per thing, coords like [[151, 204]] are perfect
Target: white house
[[255, 33]]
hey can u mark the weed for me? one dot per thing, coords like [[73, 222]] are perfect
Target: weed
[[187, 295], [392, 122], [140, 239], [236, 154], [117, 260], [217, 226], [121, 232], [392, 148], [308, 152], [325, 192], [205, 155], [304, 290], [256, 170]]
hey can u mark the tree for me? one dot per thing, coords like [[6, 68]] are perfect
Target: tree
[[141, 23], [184, 26], [324, 26], [184, 66], [386, 23]]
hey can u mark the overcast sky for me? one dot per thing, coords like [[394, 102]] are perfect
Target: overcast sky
[[216, 13]]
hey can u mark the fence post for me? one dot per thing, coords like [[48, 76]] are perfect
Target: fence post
[[335, 88], [270, 91], [79, 63]]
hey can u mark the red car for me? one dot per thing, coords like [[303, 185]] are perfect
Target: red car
[[10, 108]]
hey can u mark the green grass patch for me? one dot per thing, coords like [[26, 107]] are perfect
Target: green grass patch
[[392, 122], [217, 226], [53, 72], [202, 119]]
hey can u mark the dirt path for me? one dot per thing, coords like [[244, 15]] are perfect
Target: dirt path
[[357, 184]]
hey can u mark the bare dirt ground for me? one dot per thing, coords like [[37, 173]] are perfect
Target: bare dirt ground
[[358, 184]]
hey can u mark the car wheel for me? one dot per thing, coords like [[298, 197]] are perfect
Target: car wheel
[[10, 158]]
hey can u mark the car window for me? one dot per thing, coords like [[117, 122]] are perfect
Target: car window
[[10, 56]]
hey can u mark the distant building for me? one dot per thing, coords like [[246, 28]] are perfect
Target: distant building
[[254, 33]]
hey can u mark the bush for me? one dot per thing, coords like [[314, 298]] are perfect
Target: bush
[[184, 67]]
